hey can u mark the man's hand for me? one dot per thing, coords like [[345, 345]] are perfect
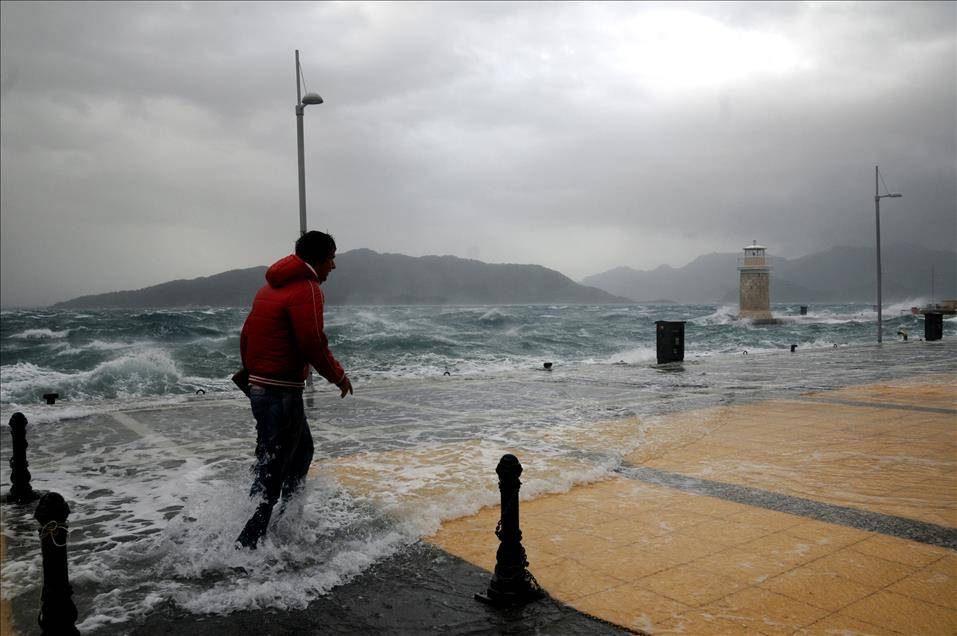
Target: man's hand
[[345, 386]]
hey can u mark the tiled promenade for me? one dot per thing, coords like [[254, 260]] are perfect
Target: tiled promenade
[[777, 517]]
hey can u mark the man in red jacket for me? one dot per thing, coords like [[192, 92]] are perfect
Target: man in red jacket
[[282, 337]]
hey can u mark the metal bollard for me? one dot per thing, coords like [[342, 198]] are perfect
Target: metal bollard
[[512, 584], [21, 491], [57, 612]]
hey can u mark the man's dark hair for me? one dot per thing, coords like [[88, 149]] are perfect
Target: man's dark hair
[[315, 247]]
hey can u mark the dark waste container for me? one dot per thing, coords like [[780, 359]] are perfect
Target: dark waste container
[[671, 340], [804, 310], [933, 326]]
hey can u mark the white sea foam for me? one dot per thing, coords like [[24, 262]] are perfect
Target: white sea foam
[[494, 316], [130, 375], [631, 356], [41, 334], [723, 315]]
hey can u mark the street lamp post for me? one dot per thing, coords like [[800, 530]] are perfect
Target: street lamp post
[[877, 212], [301, 102]]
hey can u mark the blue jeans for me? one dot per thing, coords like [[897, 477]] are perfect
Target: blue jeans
[[283, 453]]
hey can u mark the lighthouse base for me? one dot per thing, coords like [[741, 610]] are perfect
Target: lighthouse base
[[758, 317]]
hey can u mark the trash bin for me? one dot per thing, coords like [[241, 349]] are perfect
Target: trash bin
[[671, 340], [933, 326], [804, 310]]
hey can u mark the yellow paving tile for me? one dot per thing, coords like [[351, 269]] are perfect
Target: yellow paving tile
[[624, 497], [568, 580], [825, 590], [681, 546], [722, 532], [576, 517], [766, 612], [924, 394], [743, 565], [789, 548], [573, 544], [535, 525], [690, 585], [946, 564], [904, 614], [547, 503], [843, 625], [900, 550], [630, 563], [929, 585], [665, 520], [625, 531], [710, 506], [828, 533], [704, 623], [767, 519], [864, 569], [632, 607]]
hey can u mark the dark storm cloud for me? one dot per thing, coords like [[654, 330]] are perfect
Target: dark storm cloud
[[144, 142]]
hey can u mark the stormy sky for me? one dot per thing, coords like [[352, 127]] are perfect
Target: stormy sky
[[143, 142]]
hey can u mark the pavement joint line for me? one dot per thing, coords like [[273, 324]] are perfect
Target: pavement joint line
[[879, 405], [890, 525]]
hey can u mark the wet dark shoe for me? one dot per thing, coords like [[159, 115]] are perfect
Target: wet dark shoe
[[255, 528]]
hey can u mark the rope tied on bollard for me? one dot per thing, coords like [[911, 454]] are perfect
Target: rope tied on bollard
[[58, 613], [50, 529]]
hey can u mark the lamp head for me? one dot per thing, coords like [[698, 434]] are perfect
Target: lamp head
[[311, 98]]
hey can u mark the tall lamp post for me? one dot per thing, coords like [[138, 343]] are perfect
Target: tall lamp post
[[301, 102], [877, 212]]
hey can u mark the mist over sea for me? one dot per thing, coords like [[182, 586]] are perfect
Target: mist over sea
[[122, 355]]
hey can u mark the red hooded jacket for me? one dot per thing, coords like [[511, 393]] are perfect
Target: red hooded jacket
[[283, 333]]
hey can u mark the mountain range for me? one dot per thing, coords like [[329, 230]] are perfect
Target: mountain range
[[840, 274], [365, 277]]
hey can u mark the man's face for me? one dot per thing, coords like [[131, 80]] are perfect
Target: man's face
[[326, 266]]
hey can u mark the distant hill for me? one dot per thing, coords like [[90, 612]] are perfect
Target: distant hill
[[365, 277], [841, 274]]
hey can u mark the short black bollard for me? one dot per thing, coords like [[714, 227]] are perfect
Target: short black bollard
[[793, 348], [57, 612], [512, 584], [21, 491], [51, 397]]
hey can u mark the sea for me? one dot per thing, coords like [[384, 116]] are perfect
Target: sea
[[100, 356], [152, 445]]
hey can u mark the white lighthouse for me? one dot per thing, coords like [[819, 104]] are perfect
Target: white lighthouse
[[755, 293]]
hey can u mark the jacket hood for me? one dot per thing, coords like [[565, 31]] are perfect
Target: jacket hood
[[288, 270]]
